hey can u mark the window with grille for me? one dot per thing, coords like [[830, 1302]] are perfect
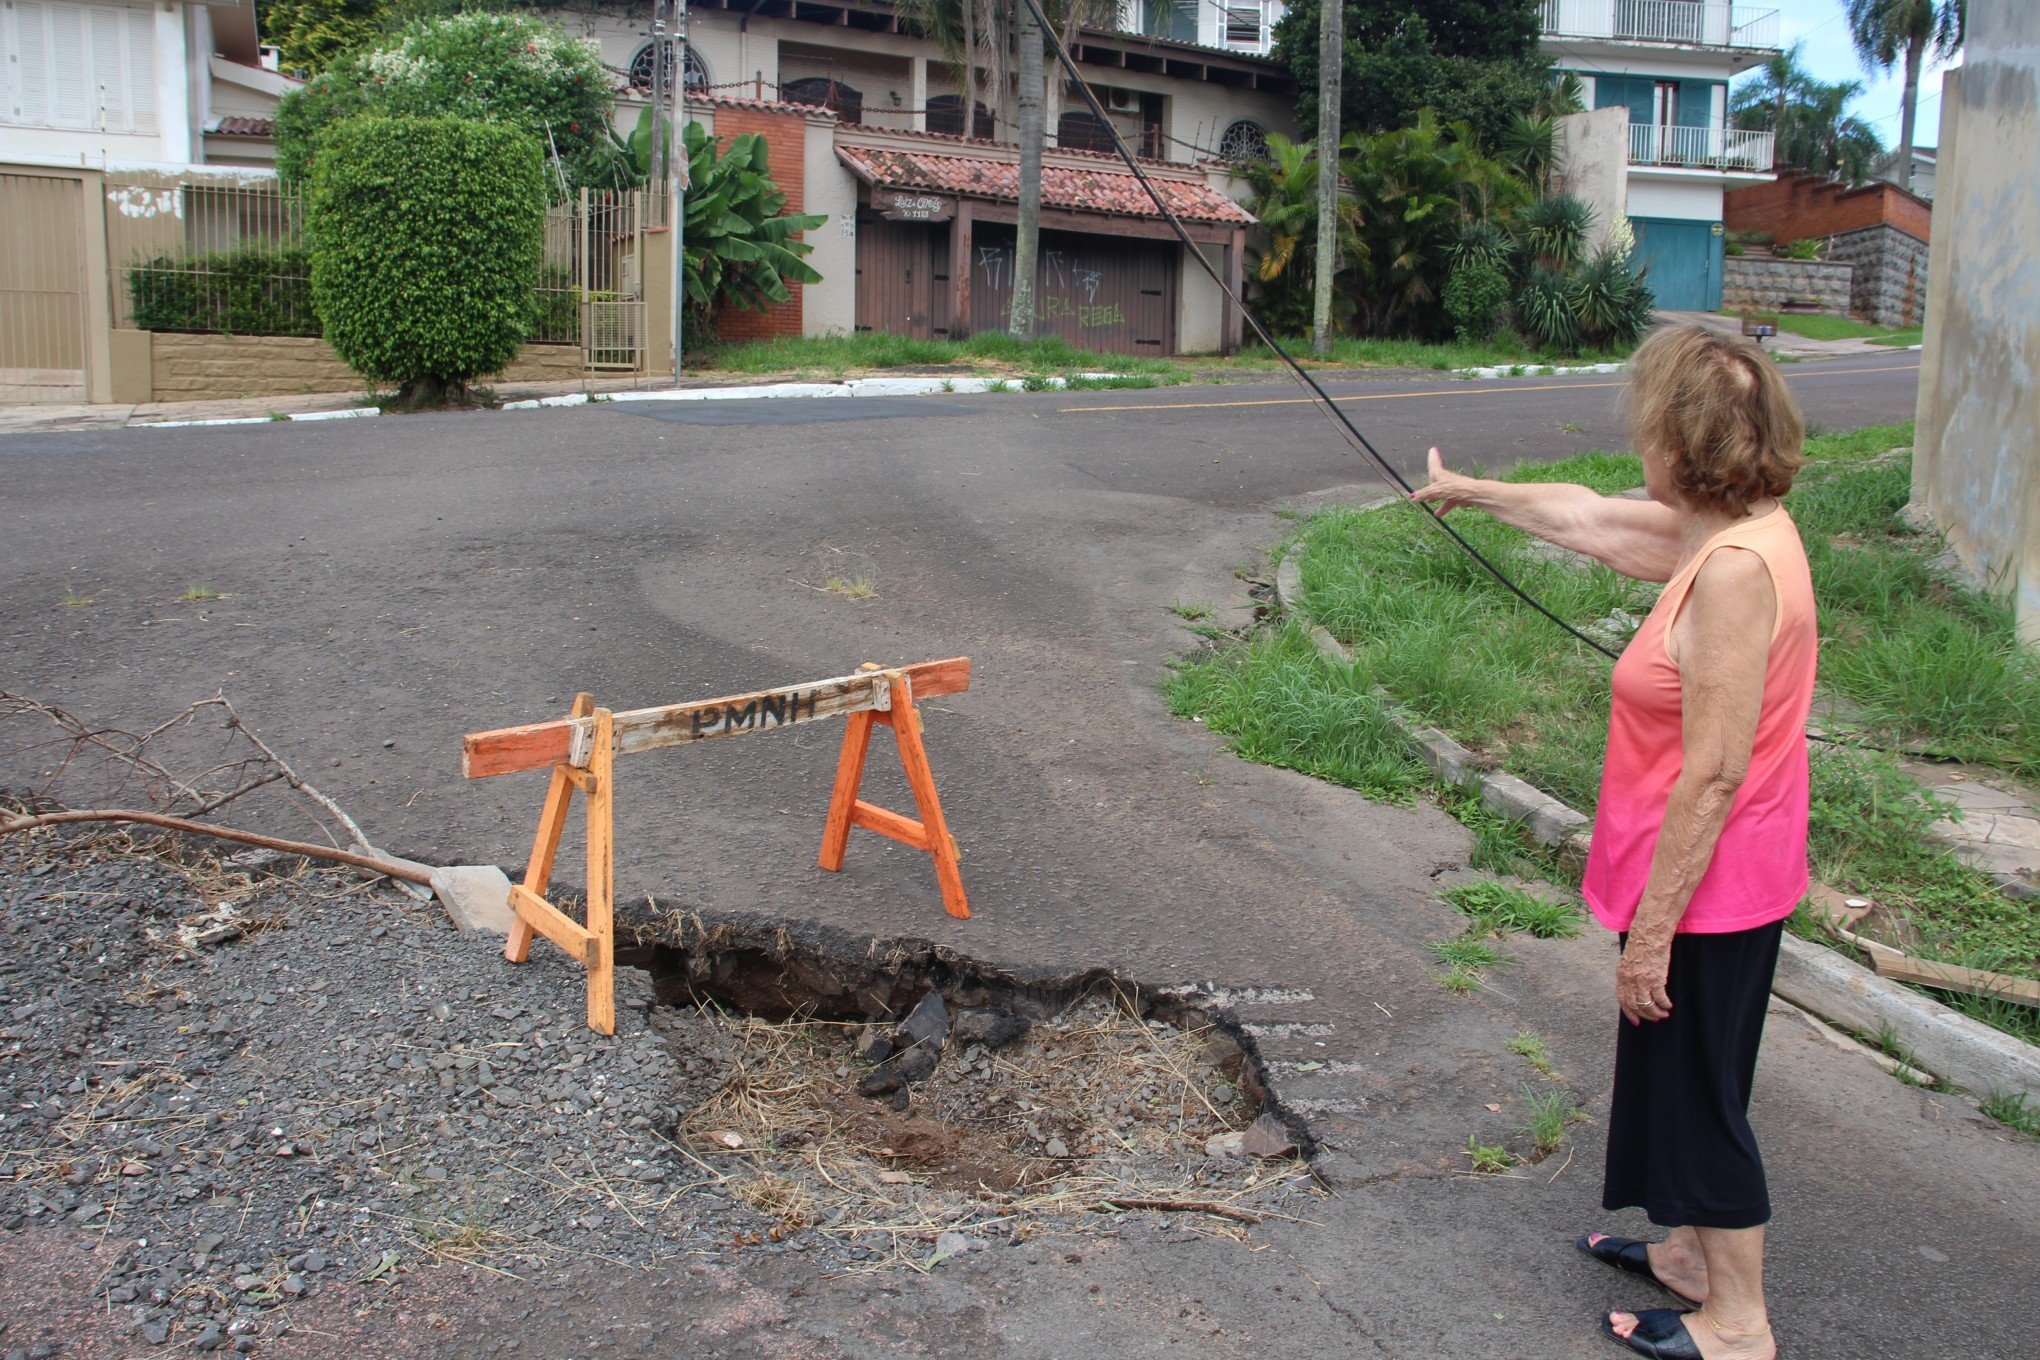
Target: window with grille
[[1244, 140], [641, 67], [945, 114], [90, 67], [821, 92]]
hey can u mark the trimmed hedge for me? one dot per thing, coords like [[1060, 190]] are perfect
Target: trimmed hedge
[[426, 237], [257, 290]]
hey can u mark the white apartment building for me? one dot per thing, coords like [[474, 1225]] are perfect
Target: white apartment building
[[1667, 64], [161, 85]]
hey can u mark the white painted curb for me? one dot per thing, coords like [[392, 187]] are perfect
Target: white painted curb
[[1535, 370], [851, 387], [1958, 1050], [351, 413]]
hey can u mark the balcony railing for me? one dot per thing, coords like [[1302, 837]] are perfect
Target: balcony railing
[[1700, 148], [1697, 23]]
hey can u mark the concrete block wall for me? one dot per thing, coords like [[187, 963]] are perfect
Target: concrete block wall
[[216, 367], [1890, 283], [1762, 283]]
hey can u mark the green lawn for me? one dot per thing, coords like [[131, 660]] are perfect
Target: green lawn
[[834, 356], [1919, 660], [1838, 328]]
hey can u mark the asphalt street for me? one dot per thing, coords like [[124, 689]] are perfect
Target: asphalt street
[[386, 585]]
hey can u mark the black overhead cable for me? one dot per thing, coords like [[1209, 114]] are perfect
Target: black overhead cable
[[1349, 431]]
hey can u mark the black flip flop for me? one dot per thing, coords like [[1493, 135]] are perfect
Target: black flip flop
[[1660, 1334], [1631, 1255]]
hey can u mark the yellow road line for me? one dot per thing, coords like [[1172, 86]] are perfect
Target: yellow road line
[[1402, 396]]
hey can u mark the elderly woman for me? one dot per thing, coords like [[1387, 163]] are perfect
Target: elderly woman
[[1699, 848]]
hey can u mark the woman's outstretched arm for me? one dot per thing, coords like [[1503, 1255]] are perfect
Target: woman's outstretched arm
[[1636, 538]]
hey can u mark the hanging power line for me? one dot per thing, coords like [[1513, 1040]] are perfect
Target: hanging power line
[[1329, 408]]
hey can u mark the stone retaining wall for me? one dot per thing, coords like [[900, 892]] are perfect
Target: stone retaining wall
[[1890, 285], [1761, 283], [214, 367]]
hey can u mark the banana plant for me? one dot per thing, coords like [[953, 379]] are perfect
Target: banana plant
[[740, 245]]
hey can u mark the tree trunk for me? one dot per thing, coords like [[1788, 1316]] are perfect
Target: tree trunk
[[1915, 52], [1027, 239], [970, 80], [1331, 57]]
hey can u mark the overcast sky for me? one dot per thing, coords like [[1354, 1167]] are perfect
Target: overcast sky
[[1830, 56]]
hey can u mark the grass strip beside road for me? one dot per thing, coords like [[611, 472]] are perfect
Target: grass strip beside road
[[1811, 326], [836, 356], [1916, 657]]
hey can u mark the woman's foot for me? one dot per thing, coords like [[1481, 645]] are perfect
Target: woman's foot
[[1660, 1332], [1676, 1264], [1680, 1265]]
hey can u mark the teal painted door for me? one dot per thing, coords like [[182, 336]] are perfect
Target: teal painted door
[[1682, 262]]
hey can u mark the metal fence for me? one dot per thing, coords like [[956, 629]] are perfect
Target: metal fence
[[218, 258], [1709, 23], [1704, 148]]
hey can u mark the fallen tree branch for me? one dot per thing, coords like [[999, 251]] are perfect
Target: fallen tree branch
[[401, 872], [1186, 1206]]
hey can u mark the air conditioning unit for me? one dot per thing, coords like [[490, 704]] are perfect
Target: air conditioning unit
[[1122, 99]]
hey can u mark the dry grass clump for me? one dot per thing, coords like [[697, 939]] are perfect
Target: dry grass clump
[[1094, 1111]]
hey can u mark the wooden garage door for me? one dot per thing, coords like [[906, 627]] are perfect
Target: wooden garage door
[[1118, 296], [903, 285]]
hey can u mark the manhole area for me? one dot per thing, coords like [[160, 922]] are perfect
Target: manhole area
[[915, 1114]]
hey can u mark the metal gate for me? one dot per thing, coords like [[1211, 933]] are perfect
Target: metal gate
[[1098, 293], [42, 289], [591, 286]]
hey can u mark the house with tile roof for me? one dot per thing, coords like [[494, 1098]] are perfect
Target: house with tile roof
[[158, 86], [866, 123]]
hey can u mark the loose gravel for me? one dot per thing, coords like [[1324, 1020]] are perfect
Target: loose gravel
[[255, 1090], [264, 1087]]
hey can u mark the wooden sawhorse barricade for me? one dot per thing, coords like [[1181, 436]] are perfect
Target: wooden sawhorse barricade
[[581, 751]]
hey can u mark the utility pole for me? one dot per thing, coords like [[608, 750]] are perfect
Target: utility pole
[[662, 54], [677, 186], [1331, 57], [1027, 236]]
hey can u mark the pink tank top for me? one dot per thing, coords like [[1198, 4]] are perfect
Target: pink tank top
[[1758, 873]]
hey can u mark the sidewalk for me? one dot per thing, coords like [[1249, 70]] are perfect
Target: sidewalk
[[1784, 343]]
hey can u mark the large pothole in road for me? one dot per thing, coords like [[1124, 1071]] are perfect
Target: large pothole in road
[[894, 1097]]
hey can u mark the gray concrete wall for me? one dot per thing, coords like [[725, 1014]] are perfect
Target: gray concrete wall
[[1593, 166], [1890, 284], [1978, 442], [1763, 283]]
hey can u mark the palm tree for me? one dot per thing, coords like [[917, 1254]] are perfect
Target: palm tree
[[1887, 32], [1809, 118]]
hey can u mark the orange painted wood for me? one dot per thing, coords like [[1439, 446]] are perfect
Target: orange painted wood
[[907, 727], [535, 913], [552, 823], [511, 749], [890, 824], [843, 798], [602, 878]]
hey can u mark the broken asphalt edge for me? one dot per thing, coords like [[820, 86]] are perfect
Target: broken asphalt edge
[[1952, 1046]]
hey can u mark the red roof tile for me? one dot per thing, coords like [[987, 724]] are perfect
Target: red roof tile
[[1062, 186], [234, 125], [768, 105]]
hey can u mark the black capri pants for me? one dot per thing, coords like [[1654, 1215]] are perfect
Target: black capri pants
[[1679, 1141]]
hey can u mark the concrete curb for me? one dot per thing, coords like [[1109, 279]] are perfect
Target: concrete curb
[[348, 413], [850, 387], [1958, 1050], [1535, 370]]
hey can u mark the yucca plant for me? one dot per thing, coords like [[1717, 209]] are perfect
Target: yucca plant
[[741, 250], [1553, 232], [1544, 311], [1603, 296]]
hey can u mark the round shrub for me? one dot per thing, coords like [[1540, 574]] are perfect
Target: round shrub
[[1474, 297], [426, 236], [502, 68]]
